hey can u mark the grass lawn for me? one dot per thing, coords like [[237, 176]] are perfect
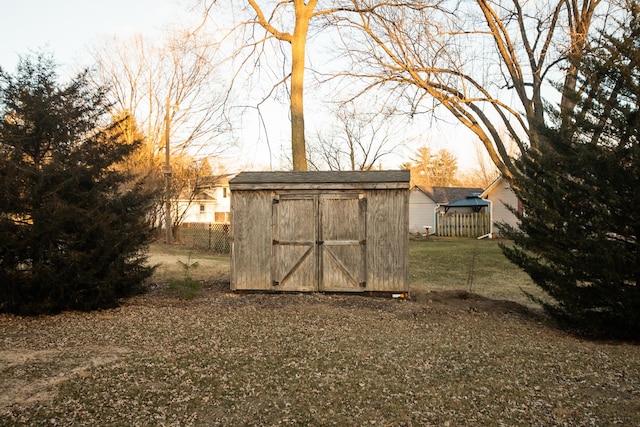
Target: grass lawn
[[168, 260], [476, 266], [444, 359]]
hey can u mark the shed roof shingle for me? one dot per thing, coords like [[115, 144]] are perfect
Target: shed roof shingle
[[320, 177], [319, 181]]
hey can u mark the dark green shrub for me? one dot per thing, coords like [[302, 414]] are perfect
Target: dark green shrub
[[73, 228], [578, 238]]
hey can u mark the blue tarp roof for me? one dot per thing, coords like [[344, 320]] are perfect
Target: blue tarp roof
[[473, 200]]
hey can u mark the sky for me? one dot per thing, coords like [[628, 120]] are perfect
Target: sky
[[66, 28]]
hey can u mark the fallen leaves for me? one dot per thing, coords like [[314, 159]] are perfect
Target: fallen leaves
[[309, 359]]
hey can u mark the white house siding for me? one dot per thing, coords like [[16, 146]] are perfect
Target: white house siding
[[500, 193], [194, 212], [212, 205], [421, 209], [222, 209]]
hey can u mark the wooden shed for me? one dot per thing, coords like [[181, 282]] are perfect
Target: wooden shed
[[320, 231]]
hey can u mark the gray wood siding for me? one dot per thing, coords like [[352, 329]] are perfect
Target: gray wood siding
[[387, 241], [349, 234], [251, 246]]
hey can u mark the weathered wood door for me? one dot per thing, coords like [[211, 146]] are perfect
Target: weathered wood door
[[294, 265], [319, 242], [342, 242]]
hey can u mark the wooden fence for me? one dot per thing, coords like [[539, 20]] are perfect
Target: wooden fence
[[463, 224], [208, 236]]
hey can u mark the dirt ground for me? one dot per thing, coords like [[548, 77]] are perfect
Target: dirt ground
[[56, 364], [223, 358]]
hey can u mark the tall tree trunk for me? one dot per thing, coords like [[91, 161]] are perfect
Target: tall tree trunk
[[298, 42]]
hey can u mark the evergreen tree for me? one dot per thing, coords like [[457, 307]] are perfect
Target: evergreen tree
[[578, 237], [73, 229], [433, 170]]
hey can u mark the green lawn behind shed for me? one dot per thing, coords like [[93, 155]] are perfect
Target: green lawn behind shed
[[476, 266]]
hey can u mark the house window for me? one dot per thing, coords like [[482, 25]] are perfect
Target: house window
[[225, 192], [222, 217], [202, 209]]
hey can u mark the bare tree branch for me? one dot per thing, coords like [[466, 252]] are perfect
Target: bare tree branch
[[433, 50]]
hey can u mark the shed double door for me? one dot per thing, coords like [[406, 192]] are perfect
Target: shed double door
[[319, 242]]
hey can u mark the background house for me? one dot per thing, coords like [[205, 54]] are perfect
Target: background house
[[426, 203], [501, 195], [209, 203]]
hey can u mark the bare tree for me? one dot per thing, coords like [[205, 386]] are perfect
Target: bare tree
[[357, 141], [286, 22], [172, 90], [183, 70], [483, 174], [303, 12], [189, 175], [486, 62], [146, 166], [300, 12]]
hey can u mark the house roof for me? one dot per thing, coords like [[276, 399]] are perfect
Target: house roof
[[200, 194], [214, 181], [321, 179], [445, 195]]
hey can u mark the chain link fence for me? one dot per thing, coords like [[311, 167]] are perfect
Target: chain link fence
[[214, 237]]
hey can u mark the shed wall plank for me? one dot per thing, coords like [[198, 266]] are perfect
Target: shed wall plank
[[251, 230], [387, 241]]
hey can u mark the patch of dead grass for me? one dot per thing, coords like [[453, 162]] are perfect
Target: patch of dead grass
[[167, 258]]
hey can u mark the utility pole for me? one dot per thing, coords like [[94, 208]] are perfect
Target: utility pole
[[166, 170]]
